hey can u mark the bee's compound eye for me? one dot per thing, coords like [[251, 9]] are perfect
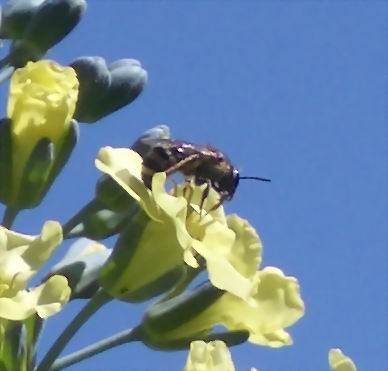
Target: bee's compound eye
[[161, 152], [236, 177]]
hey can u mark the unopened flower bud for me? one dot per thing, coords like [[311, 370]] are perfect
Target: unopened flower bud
[[126, 82], [144, 144], [49, 24], [96, 221], [15, 17], [94, 78]]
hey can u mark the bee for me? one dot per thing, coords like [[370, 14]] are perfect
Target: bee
[[202, 163]]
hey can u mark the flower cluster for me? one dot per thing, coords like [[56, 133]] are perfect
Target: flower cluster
[[184, 240], [45, 103], [202, 268]]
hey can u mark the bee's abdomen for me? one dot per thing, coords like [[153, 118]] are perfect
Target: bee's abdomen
[[158, 160]]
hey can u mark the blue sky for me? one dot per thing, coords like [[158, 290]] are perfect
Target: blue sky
[[295, 91]]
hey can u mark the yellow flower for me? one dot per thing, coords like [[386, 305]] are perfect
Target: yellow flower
[[20, 258], [41, 103], [339, 362], [170, 234], [275, 306], [212, 356]]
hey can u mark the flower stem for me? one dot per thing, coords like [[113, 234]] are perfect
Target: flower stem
[[9, 217], [95, 303], [115, 340], [4, 62], [6, 73], [68, 227]]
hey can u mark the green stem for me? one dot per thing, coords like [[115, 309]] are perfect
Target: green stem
[[6, 73], [9, 217], [115, 340], [95, 303], [68, 227], [6, 61]]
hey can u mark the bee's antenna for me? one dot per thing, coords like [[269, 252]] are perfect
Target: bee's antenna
[[256, 178]]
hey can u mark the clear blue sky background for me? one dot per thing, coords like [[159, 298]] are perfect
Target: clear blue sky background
[[291, 90]]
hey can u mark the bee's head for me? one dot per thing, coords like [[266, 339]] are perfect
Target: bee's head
[[228, 183]]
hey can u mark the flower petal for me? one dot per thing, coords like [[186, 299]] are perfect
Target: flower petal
[[339, 362], [45, 300], [51, 296], [42, 99], [41, 247], [245, 255], [124, 166], [276, 305], [213, 356], [215, 249]]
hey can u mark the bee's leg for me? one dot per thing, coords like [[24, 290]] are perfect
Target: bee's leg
[[190, 195], [218, 204], [182, 163], [187, 188], [204, 196]]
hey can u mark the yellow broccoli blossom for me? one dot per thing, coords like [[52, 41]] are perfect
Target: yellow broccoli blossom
[[212, 356], [170, 233], [20, 258], [339, 362], [275, 306], [41, 103]]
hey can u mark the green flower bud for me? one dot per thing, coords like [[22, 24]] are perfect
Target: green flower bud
[[94, 78], [81, 266], [15, 17], [96, 221], [144, 144], [50, 23], [173, 324], [126, 81]]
